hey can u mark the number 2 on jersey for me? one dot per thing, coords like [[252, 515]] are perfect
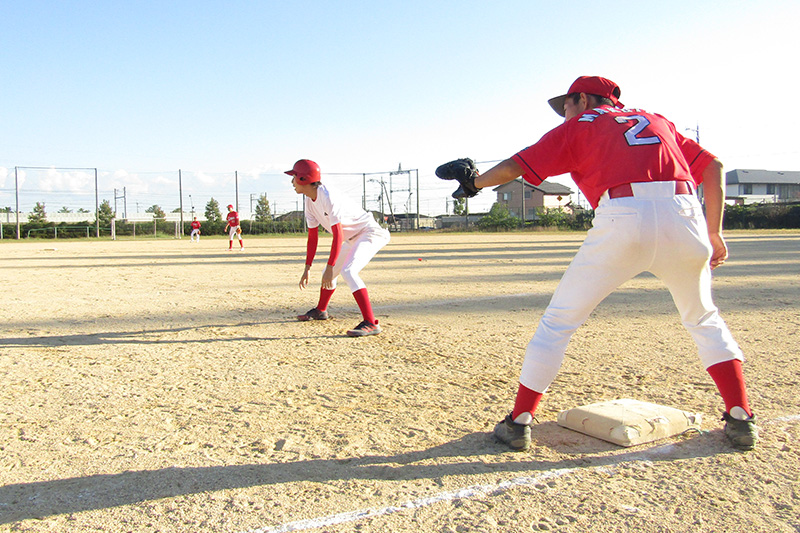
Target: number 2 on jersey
[[631, 134]]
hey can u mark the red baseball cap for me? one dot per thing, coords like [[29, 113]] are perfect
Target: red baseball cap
[[589, 85]]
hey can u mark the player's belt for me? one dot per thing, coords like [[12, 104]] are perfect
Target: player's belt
[[625, 190]]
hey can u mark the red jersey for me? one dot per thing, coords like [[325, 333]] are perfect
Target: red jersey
[[233, 219], [607, 146], [195, 224]]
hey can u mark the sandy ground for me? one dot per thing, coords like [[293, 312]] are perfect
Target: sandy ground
[[165, 386]]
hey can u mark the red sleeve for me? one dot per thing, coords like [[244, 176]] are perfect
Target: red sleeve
[[336, 245], [311, 245], [697, 157]]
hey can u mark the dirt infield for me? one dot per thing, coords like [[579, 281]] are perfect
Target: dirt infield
[[165, 386]]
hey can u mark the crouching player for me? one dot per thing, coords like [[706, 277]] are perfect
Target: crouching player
[[357, 237]]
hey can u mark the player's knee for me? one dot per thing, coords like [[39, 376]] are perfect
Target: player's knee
[[352, 279]]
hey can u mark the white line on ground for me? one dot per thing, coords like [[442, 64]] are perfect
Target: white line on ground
[[467, 492]]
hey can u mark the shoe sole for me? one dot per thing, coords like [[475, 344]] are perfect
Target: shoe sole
[[362, 333]]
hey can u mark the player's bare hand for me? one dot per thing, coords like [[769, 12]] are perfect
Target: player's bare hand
[[327, 278], [719, 250], [304, 278]]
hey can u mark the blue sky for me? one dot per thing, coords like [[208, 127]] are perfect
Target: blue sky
[[141, 89]]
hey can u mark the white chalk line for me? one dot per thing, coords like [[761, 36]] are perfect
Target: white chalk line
[[463, 493], [468, 492]]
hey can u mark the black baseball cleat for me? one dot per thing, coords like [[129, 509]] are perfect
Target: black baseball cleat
[[313, 314], [363, 329], [517, 436], [743, 434]]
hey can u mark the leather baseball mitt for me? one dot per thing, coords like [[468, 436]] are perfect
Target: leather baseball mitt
[[464, 171]]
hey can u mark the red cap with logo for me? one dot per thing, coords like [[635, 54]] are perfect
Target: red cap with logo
[[589, 85]]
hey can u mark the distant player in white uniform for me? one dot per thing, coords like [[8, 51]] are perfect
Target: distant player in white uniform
[[357, 237], [233, 228]]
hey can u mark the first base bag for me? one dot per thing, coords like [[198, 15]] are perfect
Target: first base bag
[[629, 422]]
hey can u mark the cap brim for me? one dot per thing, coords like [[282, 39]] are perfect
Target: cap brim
[[557, 104], [291, 172]]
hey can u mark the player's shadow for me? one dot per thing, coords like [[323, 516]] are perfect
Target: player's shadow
[[462, 457], [144, 336]]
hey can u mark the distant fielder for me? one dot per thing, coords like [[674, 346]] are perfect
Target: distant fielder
[[195, 230], [639, 174], [233, 228], [357, 237]]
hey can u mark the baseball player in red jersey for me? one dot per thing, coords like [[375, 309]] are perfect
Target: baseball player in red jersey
[[639, 174], [357, 237], [233, 228], [195, 230]]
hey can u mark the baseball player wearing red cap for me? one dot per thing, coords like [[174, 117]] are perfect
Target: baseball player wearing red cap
[[233, 228], [639, 174], [357, 237], [195, 230]]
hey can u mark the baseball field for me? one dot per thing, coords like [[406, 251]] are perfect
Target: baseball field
[[165, 386]]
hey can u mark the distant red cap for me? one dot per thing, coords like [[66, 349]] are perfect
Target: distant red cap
[[230, 207], [589, 85]]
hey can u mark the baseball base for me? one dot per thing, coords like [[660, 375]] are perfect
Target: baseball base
[[628, 422]]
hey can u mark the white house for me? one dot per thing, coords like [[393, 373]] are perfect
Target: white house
[[761, 186]]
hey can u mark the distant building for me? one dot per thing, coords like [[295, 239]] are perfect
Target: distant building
[[547, 194], [761, 186], [407, 221], [458, 221]]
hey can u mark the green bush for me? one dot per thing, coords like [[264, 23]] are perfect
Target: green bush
[[498, 218], [762, 216]]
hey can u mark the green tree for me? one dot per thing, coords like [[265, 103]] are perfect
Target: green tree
[[65, 209], [262, 209], [460, 206], [105, 213], [212, 211], [38, 215], [552, 217], [156, 210], [83, 210], [498, 217]]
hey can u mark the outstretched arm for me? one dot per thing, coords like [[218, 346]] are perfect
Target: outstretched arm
[[499, 174]]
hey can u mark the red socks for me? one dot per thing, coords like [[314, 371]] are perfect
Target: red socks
[[727, 375], [527, 401], [730, 382], [325, 296], [362, 299]]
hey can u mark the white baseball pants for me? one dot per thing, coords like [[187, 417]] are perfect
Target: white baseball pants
[[657, 231], [356, 253]]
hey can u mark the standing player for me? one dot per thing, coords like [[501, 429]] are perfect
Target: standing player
[[233, 228], [357, 237], [639, 174], [195, 230]]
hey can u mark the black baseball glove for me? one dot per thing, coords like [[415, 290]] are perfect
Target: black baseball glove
[[464, 171]]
